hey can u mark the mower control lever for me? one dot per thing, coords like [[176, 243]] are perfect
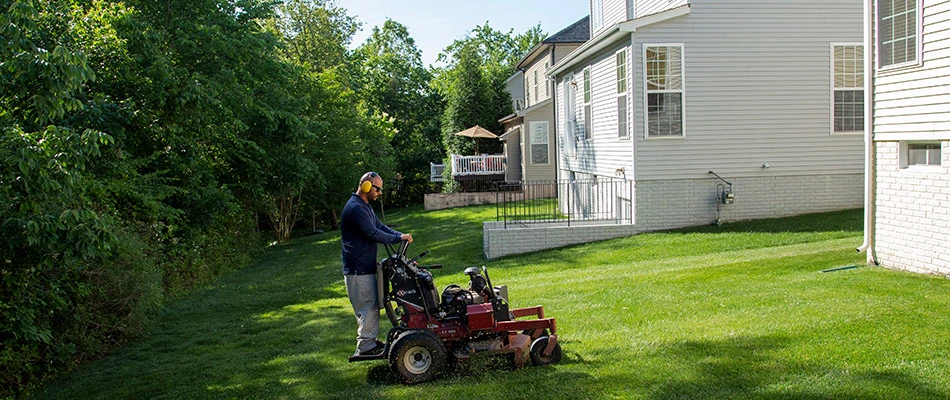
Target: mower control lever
[[420, 256], [433, 266]]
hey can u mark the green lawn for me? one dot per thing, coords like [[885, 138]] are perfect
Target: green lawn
[[737, 311]]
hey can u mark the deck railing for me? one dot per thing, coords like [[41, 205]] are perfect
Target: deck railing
[[435, 172], [565, 201], [491, 164]]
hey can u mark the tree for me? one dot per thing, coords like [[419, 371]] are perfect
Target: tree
[[52, 228], [393, 82], [347, 136]]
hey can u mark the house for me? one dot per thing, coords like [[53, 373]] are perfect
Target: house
[[907, 206], [715, 110], [530, 132]]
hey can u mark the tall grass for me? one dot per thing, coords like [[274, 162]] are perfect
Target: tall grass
[[738, 311]]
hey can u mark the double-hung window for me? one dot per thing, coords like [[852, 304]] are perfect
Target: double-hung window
[[622, 93], [663, 66], [898, 32], [848, 88], [539, 142], [587, 98]]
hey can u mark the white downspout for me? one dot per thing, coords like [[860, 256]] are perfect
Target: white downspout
[[869, 153]]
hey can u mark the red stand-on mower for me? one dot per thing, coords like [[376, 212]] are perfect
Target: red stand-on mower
[[431, 330]]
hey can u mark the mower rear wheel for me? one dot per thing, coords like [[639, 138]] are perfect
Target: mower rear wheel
[[537, 348], [417, 356]]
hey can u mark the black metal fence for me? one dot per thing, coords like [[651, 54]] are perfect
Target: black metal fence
[[565, 201]]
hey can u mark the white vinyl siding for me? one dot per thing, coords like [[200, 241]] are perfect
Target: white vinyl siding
[[663, 67], [911, 103], [847, 88], [755, 94], [614, 11], [648, 7], [539, 140], [899, 34]]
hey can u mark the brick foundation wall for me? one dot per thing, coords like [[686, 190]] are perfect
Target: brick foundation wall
[[911, 213]]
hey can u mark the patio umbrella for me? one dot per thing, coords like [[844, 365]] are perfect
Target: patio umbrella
[[477, 132]]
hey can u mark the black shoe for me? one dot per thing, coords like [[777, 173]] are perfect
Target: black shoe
[[375, 351]]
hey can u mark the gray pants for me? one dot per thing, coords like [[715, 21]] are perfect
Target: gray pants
[[361, 290]]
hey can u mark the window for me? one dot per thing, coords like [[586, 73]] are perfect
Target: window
[[587, 96], [571, 134], [848, 88], [539, 142], [622, 93], [527, 92], [536, 98], [898, 38], [923, 154], [664, 90], [596, 15]]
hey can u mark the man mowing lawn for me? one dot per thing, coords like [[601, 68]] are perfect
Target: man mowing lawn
[[361, 231]]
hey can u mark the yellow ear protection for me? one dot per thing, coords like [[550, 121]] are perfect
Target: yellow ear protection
[[365, 183]]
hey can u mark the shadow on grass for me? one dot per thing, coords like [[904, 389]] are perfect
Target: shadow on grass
[[760, 367]]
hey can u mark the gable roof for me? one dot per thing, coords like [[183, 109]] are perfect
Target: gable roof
[[578, 32]]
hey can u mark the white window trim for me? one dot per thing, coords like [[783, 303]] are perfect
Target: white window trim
[[626, 92], [877, 40], [531, 143], [831, 127], [904, 156], [646, 94], [570, 115], [588, 75], [596, 16]]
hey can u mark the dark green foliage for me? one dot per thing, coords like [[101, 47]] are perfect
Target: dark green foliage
[[393, 82]]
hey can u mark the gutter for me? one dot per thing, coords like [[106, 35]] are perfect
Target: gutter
[[869, 153]]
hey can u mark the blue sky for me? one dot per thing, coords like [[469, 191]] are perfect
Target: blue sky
[[436, 24]]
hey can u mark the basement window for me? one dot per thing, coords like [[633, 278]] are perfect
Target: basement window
[[921, 154]]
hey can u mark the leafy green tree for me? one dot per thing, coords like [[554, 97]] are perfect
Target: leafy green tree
[[473, 82], [52, 228], [393, 82], [349, 137]]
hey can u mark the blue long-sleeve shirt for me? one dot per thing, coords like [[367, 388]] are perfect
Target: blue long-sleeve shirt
[[361, 231]]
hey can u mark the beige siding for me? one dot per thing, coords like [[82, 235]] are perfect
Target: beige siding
[[563, 49], [648, 7], [536, 79], [755, 93], [539, 171], [912, 101]]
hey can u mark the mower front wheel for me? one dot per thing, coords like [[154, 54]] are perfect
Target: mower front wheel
[[417, 356], [537, 350]]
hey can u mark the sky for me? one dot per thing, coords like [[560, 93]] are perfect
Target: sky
[[435, 24]]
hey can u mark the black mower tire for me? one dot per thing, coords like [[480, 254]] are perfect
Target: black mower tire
[[538, 346], [417, 356]]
